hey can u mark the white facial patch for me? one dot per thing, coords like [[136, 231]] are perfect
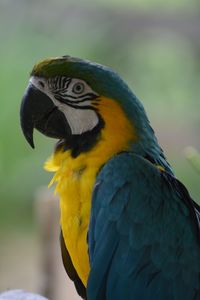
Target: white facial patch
[[76, 93], [80, 120]]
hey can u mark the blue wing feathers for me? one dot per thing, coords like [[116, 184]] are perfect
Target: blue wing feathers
[[101, 261], [143, 236]]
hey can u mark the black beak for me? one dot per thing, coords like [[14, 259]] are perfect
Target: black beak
[[38, 111]]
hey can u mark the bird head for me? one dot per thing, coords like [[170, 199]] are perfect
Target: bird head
[[64, 98], [77, 101]]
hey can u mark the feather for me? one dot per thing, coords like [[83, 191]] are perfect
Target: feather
[[146, 244]]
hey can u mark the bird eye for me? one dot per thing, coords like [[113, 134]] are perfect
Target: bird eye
[[78, 88]]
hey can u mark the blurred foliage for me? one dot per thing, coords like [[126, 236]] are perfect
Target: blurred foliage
[[193, 157], [161, 65]]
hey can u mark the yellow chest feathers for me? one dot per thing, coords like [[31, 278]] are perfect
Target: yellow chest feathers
[[76, 177]]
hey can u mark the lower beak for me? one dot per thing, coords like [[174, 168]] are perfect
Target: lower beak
[[38, 111]]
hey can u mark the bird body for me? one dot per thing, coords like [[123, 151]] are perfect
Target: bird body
[[129, 229]]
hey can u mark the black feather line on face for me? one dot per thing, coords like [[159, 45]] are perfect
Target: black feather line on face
[[88, 96], [58, 84], [83, 142], [74, 104]]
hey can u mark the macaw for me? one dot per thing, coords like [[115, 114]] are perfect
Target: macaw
[[129, 228]]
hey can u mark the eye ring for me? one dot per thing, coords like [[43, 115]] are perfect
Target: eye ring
[[78, 88]]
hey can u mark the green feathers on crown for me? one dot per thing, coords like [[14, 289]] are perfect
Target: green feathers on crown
[[54, 66], [71, 67], [102, 79]]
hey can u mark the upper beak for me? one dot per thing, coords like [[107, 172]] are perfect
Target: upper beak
[[38, 111]]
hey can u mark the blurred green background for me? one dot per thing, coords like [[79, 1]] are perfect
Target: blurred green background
[[155, 47]]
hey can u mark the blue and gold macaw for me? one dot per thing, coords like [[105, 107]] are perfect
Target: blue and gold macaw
[[130, 229]]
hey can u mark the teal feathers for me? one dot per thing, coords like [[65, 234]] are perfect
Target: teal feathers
[[144, 239]]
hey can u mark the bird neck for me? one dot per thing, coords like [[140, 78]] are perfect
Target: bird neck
[[116, 136]]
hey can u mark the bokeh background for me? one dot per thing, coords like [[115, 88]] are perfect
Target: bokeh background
[[154, 45]]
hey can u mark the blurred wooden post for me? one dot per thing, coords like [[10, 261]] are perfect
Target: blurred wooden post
[[47, 214], [52, 280]]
